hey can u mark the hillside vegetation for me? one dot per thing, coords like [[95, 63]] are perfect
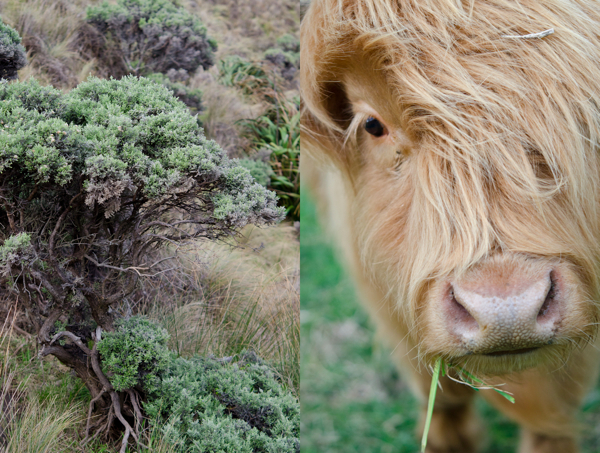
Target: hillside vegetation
[[234, 301]]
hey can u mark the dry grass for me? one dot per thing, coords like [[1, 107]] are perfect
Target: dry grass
[[247, 27], [49, 29], [28, 425], [231, 299], [41, 428], [223, 108]]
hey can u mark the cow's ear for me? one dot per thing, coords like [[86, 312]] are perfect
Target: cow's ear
[[326, 111], [335, 105], [326, 115]]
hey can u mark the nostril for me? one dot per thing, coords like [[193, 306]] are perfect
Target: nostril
[[461, 315], [458, 305], [547, 308]]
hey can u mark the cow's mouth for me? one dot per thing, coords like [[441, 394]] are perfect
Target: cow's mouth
[[511, 352]]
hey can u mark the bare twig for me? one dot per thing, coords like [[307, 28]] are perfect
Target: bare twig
[[74, 338], [91, 408], [136, 408], [131, 268]]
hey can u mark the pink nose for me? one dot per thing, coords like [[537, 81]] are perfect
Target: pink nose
[[505, 313]]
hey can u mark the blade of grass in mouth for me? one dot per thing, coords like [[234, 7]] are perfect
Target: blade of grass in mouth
[[465, 376], [432, 391]]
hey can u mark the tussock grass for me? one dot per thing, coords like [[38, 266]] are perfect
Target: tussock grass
[[153, 441], [50, 32], [28, 423], [40, 428], [223, 108], [247, 27]]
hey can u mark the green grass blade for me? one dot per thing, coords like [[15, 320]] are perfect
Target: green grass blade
[[464, 372], [506, 395], [432, 391]]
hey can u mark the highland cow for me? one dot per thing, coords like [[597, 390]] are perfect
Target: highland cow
[[456, 154]]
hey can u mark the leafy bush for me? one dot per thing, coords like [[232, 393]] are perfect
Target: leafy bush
[[218, 405], [94, 183], [135, 354], [189, 96], [286, 56], [148, 36], [12, 53], [260, 171], [202, 404]]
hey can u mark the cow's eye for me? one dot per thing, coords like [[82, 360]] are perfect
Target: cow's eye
[[374, 127]]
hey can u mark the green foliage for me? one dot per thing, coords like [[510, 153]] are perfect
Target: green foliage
[[221, 406], [16, 250], [13, 245], [286, 56], [260, 171], [278, 131], [202, 404], [118, 135], [135, 354], [151, 36], [189, 96], [249, 76], [12, 53]]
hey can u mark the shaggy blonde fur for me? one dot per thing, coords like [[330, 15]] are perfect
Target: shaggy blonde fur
[[491, 153]]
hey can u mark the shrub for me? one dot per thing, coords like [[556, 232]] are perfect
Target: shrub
[[93, 183], [286, 56], [219, 405], [189, 96], [12, 53], [135, 354], [202, 404], [260, 171], [148, 36]]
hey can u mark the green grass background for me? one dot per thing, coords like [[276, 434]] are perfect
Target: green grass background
[[352, 399]]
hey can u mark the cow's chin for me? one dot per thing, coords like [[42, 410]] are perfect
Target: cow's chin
[[504, 362]]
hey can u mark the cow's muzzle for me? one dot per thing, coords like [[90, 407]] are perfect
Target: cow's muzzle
[[498, 312]]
